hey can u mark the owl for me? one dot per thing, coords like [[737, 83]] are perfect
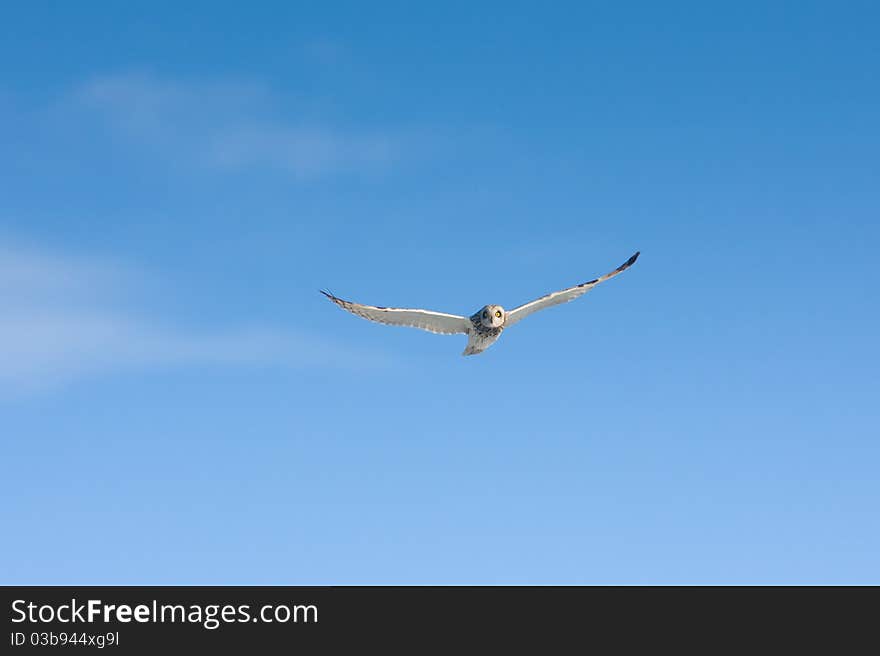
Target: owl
[[483, 327]]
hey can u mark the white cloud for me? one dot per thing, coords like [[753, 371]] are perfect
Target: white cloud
[[326, 51], [60, 323], [231, 125], [33, 280], [301, 152]]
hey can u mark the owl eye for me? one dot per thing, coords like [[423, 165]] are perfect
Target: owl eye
[[498, 314]]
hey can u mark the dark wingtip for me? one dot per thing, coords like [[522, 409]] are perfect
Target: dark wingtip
[[633, 259], [327, 294]]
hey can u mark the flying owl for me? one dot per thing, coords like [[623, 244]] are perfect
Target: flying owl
[[484, 326]]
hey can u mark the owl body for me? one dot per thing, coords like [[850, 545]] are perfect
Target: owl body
[[484, 326]]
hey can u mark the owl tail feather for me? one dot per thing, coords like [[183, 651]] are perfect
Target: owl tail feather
[[478, 343]]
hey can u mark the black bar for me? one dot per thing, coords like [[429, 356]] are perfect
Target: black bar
[[133, 620]]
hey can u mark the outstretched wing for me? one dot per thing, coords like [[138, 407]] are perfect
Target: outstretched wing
[[434, 322], [564, 296]]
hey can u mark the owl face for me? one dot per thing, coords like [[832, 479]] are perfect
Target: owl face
[[492, 316]]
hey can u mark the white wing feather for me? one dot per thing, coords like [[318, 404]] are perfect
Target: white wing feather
[[563, 296], [434, 322]]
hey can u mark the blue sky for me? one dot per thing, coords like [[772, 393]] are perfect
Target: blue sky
[[178, 404]]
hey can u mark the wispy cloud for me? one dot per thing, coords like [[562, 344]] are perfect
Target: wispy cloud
[[61, 322], [326, 50], [232, 125]]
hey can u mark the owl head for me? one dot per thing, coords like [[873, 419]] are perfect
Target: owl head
[[492, 316]]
